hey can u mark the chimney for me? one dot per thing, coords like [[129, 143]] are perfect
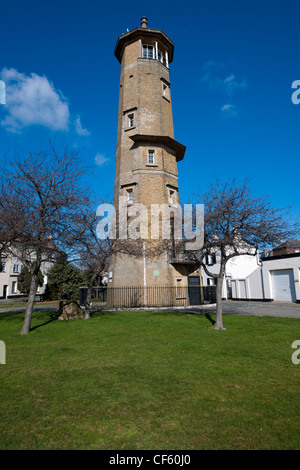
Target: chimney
[[144, 22]]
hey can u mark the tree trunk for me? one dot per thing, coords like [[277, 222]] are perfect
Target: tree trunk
[[30, 304], [89, 295], [87, 314], [219, 318]]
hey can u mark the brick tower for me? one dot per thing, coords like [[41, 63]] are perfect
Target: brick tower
[[147, 154]]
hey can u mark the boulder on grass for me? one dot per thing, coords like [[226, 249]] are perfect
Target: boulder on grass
[[69, 310]]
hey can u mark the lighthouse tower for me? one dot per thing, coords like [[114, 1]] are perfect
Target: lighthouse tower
[[147, 153]]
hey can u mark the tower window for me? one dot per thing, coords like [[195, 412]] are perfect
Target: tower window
[[161, 57], [150, 157], [129, 193], [171, 196], [130, 120], [148, 51], [166, 90]]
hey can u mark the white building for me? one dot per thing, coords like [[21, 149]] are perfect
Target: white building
[[276, 278], [12, 267], [272, 276], [237, 268]]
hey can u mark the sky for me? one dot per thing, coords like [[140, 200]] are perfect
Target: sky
[[231, 84]]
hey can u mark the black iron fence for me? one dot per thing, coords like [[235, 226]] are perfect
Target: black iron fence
[[151, 296]]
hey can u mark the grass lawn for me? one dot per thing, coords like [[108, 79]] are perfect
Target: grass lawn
[[148, 380]]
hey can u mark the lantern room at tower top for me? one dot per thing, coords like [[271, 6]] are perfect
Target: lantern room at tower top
[[156, 43]]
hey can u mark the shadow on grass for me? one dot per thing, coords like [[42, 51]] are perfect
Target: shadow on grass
[[168, 313], [46, 317], [208, 317], [52, 316]]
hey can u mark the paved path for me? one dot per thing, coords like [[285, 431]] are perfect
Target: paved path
[[230, 307], [22, 309], [270, 309]]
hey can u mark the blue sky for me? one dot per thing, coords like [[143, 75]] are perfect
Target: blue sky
[[231, 77]]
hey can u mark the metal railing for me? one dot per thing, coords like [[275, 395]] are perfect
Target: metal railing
[[150, 296], [159, 296]]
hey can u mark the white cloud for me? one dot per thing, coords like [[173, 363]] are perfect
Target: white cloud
[[100, 159], [79, 129], [231, 83], [212, 77], [228, 111], [33, 100]]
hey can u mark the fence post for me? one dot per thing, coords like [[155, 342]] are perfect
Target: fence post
[[2, 353]]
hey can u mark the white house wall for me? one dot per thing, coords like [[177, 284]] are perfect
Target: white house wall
[[259, 282], [8, 277], [239, 267]]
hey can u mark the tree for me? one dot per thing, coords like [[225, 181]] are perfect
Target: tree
[[64, 280], [94, 253], [238, 223], [24, 280], [40, 194]]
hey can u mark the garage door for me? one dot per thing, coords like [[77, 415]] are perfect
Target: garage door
[[242, 287], [283, 285]]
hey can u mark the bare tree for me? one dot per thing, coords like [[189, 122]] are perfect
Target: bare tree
[[40, 195], [93, 252], [238, 223]]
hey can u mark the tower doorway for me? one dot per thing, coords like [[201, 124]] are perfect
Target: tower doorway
[[194, 290]]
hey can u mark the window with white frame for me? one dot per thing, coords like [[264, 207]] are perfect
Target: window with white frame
[[3, 268], [151, 157], [15, 268], [161, 57], [14, 287], [211, 281], [148, 51]]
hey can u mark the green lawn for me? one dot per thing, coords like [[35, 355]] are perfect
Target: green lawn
[[147, 380]]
